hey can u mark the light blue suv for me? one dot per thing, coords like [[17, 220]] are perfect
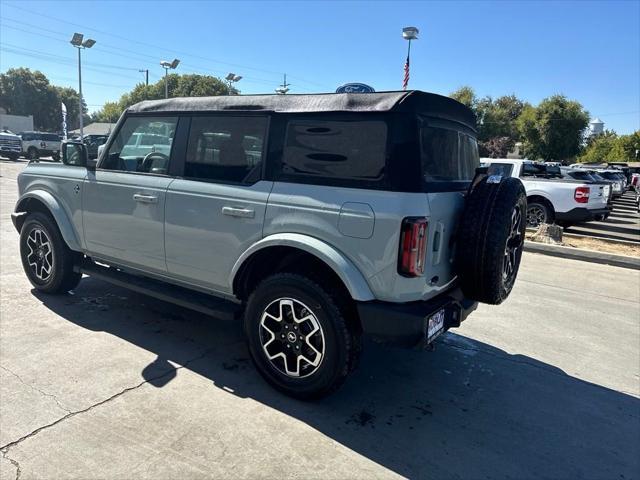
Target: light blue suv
[[313, 218]]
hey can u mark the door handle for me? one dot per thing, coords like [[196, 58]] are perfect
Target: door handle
[[238, 212], [138, 197]]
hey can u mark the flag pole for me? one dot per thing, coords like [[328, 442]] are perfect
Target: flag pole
[[408, 33]]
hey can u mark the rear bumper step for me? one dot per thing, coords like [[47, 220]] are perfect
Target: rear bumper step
[[183, 297], [405, 324]]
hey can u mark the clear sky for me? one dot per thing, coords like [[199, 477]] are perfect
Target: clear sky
[[589, 50]]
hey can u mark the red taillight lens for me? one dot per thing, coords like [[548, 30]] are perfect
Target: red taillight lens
[[581, 195], [413, 247]]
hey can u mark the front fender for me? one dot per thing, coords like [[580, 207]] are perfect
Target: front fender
[[60, 216], [342, 266]]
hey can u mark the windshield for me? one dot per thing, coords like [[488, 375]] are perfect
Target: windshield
[[448, 155], [580, 175]]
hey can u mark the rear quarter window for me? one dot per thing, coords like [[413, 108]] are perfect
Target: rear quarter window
[[335, 150], [448, 155]]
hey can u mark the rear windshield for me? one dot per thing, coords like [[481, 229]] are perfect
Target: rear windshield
[[447, 155], [580, 175]]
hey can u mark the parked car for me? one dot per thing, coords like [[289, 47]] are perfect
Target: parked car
[[40, 144], [590, 177], [550, 198], [93, 142], [10, 145], [619, 181], [313, 218]]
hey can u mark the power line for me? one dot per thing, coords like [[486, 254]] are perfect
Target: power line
[[46, 58], [118, 52], [130, 40]]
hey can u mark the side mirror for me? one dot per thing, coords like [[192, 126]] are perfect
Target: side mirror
[[74, 153]]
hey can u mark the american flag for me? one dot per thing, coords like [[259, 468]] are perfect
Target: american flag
[[405, 82]]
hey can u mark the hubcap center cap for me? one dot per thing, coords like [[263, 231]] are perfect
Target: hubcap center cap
[[291, 337]]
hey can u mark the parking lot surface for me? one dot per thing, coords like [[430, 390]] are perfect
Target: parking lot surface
[[105, 383], [623, 223]]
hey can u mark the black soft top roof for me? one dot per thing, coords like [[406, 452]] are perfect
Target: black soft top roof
[[412, 101]]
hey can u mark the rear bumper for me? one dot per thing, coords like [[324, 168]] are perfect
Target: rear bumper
[[405, 324], [582, 214]]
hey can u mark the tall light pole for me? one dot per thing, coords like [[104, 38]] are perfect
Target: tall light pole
[[232, 78], [408, 33], [77, 41], [168, 65]]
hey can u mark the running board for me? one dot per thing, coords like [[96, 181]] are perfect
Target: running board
[[183, 297]]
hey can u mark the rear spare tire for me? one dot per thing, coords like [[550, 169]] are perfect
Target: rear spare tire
[[490, 239]]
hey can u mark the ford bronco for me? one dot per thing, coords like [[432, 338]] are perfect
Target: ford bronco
[[314, 219]]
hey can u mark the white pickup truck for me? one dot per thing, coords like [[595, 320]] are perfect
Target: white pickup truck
[[550, 199]]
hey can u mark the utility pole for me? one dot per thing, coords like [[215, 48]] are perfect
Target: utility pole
[[146, 76], [283, 88]]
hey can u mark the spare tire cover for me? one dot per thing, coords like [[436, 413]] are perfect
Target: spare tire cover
[[490, 239]]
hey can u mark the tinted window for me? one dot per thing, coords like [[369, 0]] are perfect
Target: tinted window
[[127, 153], [333, 149], [51, 137], [532, 170], [448, 155], [580, 175], [225, 149], [503, 169]]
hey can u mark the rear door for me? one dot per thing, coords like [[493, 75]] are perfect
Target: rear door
[[216, 210], [124, 198]]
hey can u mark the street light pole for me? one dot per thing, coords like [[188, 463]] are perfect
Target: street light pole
[[77, 41], [80, 92], [168, 65], [231, 79]]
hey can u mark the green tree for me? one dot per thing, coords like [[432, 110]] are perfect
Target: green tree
[[69, 97], [23, 92], [554, 129], [626, 147], [189, 85], [466, 95], [599, 147], [609, 147], [109, 113]]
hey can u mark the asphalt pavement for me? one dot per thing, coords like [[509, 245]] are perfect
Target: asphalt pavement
[[622, 224], [106, 383]]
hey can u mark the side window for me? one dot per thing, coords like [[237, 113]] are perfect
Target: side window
[[225, 149], [335, 150], [503, 169], [143, 145]]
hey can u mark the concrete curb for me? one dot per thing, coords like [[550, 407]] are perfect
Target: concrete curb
[[584, 255]]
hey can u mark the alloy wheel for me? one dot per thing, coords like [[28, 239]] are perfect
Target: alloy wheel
[[512, 246], [292, 337], [536, 216], [40, 256]]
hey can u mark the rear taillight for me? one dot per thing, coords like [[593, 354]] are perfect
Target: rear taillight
[[581, 194], [413, 247]]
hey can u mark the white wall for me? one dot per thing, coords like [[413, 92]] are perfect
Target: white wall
[[16, 123]]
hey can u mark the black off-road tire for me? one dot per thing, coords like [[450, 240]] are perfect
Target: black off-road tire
[[55, 156], [13, 157], [33, 153], [342, 346], [62, 277], [486, 232]]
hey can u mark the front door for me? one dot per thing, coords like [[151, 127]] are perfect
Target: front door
[[124, 199], [216, 210]]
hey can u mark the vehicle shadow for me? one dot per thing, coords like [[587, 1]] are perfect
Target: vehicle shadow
[[467, 410]]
